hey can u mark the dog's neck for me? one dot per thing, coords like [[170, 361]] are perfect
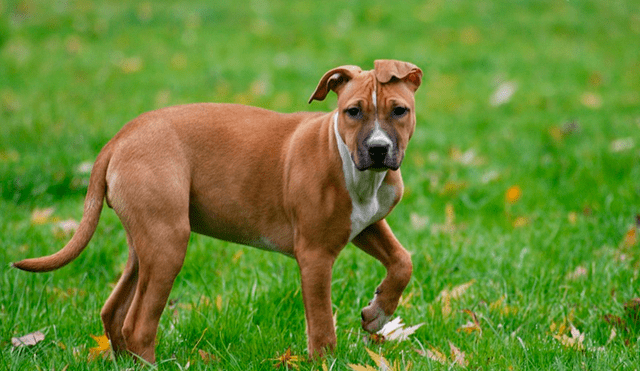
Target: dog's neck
[[371, 199]]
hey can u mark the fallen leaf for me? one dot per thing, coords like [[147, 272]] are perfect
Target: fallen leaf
[[575, 341], [455, 293], [131, 65], [452, 187], [65, 228], [579, 272], [471, 326], [395, 330], [503, 93], [207, 357], [460, 290], [500, 306], [520, 221], [236, 257], [41, 216], [513, 194], [632, 311], [219, 302], [572, 217], [85, 167], [434, 355], [381, 363], [28, 339], [286, 360], [591, 100], [622, 144], [418, 222], [630, 238], [102, 350], [458, 356]]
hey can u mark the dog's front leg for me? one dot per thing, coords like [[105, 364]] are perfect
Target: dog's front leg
[[315, 264], [378, 241]]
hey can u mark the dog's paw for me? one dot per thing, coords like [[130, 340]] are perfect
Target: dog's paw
[[373, 318]]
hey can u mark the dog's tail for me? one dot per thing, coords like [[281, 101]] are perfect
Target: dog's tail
[[92, 208]]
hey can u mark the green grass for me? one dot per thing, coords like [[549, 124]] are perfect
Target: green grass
[[72, 73]]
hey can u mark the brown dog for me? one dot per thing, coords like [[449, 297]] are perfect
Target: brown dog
[[303, 184]]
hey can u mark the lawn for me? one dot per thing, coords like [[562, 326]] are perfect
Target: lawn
[[522, 199]]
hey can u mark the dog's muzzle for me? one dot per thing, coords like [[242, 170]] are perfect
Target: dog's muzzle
[[378, 152]]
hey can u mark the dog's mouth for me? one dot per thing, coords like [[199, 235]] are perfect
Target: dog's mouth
[[391, 161]]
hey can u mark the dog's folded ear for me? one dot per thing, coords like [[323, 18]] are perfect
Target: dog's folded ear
[[386, 70], [334, 80]]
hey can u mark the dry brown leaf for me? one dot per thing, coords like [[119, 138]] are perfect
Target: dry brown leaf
[[28, 339], [458, 356], [630, 238], [471, 326], [206, 356], [632, 311]]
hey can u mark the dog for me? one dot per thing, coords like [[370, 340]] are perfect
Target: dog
[[303, 184]]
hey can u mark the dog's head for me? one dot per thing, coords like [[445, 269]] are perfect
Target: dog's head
[[376, 116]]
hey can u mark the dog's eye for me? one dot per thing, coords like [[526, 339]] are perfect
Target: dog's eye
[[354, 112], [399, 112]]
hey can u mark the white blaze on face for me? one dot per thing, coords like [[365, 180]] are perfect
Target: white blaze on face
[[378, 136]]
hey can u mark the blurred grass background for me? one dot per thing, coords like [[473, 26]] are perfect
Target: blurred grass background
[[539, 96]]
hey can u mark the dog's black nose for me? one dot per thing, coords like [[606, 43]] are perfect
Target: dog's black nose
[[378, 153]]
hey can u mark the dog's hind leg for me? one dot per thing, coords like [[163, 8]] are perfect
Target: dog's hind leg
[[115, 309], [160, 244]]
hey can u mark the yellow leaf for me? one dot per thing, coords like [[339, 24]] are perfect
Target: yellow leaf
[[361, 368], [449, 215], [435, 355], [520, 221], [575, 341], [219, 302], [513, 194], [237, 256], [630, 238], [103, 348], [41, 216], [379, 360], [286, 360]]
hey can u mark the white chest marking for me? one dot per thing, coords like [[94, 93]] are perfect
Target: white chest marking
[[371, 198]]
